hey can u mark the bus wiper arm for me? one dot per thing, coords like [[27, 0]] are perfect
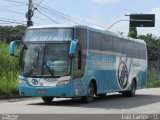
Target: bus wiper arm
[[48, 68], [33, 64]]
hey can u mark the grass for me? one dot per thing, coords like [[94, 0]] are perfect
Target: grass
[[152, 82], [8, 70]]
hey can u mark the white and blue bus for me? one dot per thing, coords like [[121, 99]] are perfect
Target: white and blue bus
[[71, 61]]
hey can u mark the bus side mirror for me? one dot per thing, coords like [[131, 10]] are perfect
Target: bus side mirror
[[12, 46], [73, 46]]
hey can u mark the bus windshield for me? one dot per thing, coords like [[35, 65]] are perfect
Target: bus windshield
[[49, 59]]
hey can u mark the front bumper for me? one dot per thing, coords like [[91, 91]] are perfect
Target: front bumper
[[56, 91]]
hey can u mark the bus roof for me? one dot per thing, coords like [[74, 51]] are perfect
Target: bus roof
[[92, 28]]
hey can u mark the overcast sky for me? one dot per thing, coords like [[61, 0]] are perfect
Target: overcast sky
[[95, 12]]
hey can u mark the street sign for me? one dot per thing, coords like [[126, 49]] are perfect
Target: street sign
[[142, 20]]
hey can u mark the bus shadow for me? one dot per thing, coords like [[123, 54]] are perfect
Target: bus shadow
[[108, 102]]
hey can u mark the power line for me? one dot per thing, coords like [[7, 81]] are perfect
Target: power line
[[4, 23], [48, 17], [39, 18], [12, 11], [35, 8], [73, 18], [10, 21], [13, 6], [65, 16], [51, 12], [13, 1], [59, 16], [39, 3]]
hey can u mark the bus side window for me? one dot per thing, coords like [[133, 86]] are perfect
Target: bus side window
[[79, 60], [77, 67]]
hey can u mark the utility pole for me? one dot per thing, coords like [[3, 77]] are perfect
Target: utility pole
[[29, 14]]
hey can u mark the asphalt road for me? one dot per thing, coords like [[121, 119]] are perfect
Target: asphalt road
[[145, 101]]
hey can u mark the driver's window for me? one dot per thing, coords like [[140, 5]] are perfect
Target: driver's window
[[77, 64]]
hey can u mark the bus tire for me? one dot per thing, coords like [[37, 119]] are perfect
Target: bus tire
[[47, 99], [132, 92], [90, 94]]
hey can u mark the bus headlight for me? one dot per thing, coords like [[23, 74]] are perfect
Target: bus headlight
[[64, 82], [22, 81]]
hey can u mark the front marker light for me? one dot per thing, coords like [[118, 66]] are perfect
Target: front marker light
[[22, 82]]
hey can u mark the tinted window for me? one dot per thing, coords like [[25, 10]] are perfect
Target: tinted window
[[117, 45], [107, 44], [143, 51], [80, 56], [139, 50], [58, 34], [95, 41], [127, 48], [81, 35]]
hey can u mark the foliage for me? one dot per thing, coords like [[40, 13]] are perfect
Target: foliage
[[8, 69], [153, 46], [9, 64], [150, 39], [152, 82], [132, 32], [153, 53], [9, 33]]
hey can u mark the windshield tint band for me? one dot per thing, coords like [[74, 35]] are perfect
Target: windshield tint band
[[54, 34]]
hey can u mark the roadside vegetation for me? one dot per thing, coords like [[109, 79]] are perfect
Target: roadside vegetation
[[9, 64], [152, 80], [8, 70]]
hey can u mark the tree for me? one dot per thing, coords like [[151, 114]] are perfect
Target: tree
[[153, 46], [132, 32], [9, 33]]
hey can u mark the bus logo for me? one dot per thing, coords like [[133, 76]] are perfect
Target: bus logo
[[122, 75], [35, 81]]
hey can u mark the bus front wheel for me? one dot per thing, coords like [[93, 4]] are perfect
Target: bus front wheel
[[47, 99], [90, 94]]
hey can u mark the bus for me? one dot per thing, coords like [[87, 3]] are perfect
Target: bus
[[77, 61]]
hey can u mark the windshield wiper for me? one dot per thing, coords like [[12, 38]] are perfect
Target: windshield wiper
[[48, 68], [33, 65]]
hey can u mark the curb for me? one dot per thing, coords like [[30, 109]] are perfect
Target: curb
[[4, 96]]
